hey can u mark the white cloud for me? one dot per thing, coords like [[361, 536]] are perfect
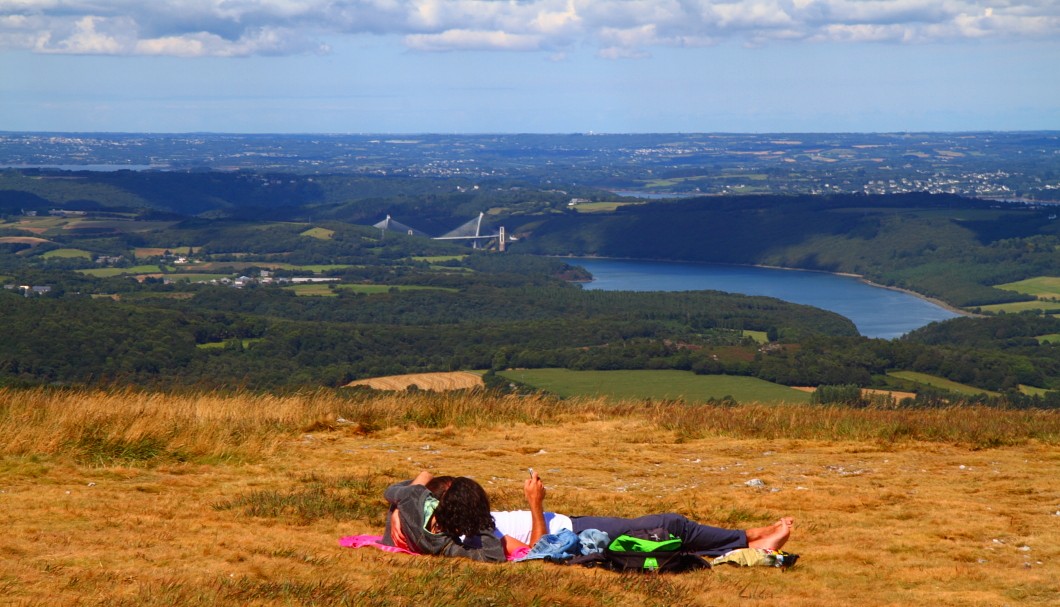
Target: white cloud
[[616, 28], [458, 39], [87, 36]]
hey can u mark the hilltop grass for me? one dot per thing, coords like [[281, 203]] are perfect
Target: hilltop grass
[[133, 498]]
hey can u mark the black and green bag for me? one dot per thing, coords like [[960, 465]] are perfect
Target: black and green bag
[[650, 551]]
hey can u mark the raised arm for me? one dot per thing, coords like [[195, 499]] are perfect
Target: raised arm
[[407, 489], [534, 490]]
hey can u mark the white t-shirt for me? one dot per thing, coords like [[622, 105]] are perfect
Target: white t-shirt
[[519, 524]]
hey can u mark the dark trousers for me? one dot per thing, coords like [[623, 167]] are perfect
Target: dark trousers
[[701, 539]]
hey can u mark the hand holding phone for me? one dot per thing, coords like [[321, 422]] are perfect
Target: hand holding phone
[[534, 490]]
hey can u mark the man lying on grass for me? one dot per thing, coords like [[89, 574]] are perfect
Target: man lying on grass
[[451, 516]]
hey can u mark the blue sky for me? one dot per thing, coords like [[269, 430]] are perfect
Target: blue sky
[[480, 66]]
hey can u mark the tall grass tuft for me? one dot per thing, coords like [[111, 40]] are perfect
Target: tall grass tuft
[[338, 499], [133, 427], [973, 426]]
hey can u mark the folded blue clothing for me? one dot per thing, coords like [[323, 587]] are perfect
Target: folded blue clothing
[[593, 541], [565, 544]]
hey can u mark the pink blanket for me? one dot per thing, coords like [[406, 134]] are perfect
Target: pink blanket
[[375, 541], [360, 541]]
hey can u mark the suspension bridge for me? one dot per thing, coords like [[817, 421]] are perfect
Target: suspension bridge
[[474, 231]]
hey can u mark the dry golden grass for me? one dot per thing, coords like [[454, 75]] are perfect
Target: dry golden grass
[[130, 498], [438, 382]]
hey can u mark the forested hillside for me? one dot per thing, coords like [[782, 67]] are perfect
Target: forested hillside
[[434, 205], [269, 337]]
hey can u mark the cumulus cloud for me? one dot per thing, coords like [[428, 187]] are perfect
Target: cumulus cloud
[[458, 39], [615, 28]]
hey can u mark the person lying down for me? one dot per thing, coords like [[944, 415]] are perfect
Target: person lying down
[[451, 516]]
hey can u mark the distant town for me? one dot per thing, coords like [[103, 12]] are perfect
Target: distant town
[[1019, 166]]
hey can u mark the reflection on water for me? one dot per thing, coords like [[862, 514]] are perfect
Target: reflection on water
[[876, 311]]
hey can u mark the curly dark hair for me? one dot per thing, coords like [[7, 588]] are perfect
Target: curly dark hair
[[439, 485], [464, 509]]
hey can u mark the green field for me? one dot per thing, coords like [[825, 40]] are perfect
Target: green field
[[330, 289], [109, 272], [1053, 338], [141, 252], [320, 268], [1033, 391], [369, 289], [319, 233], [600, 207], [40, 225], [760, 337], [1039, 286], [67, 254], [218, 345], [1045, 288], [1051, 307], [662, 384], [117, 225], [193, 277], [439, 258], [149, 295], [314, 289], [239, 266], [939, 382]]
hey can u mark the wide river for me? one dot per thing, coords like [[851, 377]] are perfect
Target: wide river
[[876, 311]]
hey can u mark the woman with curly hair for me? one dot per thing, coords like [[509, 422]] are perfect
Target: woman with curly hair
[[442, 515]]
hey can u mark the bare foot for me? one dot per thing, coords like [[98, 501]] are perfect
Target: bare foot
[[772, 537]]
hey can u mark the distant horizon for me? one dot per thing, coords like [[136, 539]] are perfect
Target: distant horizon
[[517, 133]]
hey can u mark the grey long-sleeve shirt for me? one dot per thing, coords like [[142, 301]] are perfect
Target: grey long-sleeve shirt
[[408, 500]]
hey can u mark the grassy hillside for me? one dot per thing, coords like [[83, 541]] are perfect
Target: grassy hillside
[[239, 499]]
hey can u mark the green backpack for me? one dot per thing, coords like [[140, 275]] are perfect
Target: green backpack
[[633, 553]]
